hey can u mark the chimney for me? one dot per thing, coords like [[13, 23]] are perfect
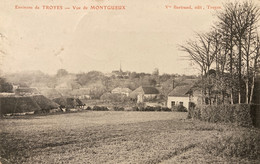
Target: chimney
[[173, 84]]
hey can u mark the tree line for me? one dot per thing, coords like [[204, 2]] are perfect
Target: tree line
[[228, 55]]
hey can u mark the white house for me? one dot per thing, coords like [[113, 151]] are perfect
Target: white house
[[182, 95], [124, 91]]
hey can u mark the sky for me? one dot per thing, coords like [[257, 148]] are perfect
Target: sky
[[142, 37]]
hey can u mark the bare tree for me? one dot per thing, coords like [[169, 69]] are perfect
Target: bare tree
[[255, 64], [203, 53], [238, 24], [234, 47]]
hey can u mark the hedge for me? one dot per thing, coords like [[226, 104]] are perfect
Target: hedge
[[150, 108], [241, 144], [100, 108], [135, 108], [240, 114]]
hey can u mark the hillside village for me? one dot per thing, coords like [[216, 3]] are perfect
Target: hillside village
[[123, 89], [71, 92], [123, 116]]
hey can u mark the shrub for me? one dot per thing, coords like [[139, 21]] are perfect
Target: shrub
[[194, 113], [255, 114], [244, 144], [242, 115], [100, 108], [238, 113], [166, 109], [179, 108], [149, 108], [135, 108], [157, 108], [116, 108]]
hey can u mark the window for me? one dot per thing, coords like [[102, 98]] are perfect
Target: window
[[181, 103], [173, 103]]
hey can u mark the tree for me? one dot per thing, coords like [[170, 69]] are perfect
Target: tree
[[62, 73], [155, 72], [202, 52], [233, 46], [133, 75], [255, 67], [5, 86], [240, 21]]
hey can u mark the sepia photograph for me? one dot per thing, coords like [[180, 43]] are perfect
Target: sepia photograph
[[129, 81]]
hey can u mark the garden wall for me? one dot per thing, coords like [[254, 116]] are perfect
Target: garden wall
[[240, 114]]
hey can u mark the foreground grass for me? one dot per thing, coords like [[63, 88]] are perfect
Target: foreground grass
[[123, 137]]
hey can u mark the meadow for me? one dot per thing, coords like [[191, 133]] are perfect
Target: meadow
[[124, 137]]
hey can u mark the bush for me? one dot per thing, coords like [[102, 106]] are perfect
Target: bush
[[150, 108], [179, 108], [116, 108], [194, 113], [68, 102], [100, 108], [135, 108], [166, 109], [157, 108], [255, 114], [245, 144], [238, 113], [242, 115]]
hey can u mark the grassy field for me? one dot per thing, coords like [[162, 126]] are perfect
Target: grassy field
[[124, 137]]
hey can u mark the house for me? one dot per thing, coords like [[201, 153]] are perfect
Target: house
[[50, 93], [22, 105], [27, 91], [82, 93], [120, 90], [15, 86], [6, 94], [69, 102], [143, 93], [183, 95]]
